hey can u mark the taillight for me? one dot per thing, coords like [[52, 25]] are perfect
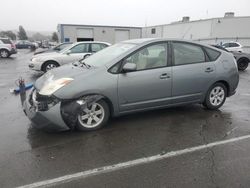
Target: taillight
[[13, 46]]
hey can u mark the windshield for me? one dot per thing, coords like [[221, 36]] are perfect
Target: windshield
[[106, 55], [66, 48]]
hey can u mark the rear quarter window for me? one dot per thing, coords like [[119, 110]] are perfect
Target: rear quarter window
[[212, 54], [6, 41]]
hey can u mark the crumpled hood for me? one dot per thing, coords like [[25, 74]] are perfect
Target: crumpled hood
[[66, 71]]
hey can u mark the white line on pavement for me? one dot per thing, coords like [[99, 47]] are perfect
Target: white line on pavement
[[105, 169]]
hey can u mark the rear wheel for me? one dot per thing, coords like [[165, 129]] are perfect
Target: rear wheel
[[93, 117], [49, 65], [4, 53], [216, 96], [242, 64]]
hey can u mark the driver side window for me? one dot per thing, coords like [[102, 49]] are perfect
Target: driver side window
[[80, 48], [154, 56]]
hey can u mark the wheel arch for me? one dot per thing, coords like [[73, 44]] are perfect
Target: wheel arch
[[243, 58], [226, 85], [47, 61], [3, 48], [104, 97]]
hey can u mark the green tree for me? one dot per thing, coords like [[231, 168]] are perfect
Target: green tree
[[22, 33], [54, 37], [9, 34]]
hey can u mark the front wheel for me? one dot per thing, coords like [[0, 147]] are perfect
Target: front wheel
[[93, 117], [216, 96], [49, 65]]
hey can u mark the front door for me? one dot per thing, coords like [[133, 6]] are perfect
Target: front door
[[151, 84]]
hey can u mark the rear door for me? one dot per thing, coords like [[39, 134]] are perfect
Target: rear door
[[192, 73], [150, 85]]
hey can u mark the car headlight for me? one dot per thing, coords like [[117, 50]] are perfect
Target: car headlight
[[36, 59], [53, 86]]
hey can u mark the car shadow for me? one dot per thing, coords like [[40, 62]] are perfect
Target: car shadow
[[192, 119]]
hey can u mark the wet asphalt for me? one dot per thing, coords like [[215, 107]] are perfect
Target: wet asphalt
[[28, 155]]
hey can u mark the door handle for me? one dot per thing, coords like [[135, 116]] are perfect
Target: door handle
[[209, 69], [164, 76]]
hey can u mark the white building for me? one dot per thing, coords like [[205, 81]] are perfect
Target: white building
[[111, 34], [211, 31]]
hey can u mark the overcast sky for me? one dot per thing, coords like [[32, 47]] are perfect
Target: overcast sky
[[44, 15]]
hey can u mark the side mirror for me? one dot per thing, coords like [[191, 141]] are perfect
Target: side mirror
[[129, 67], [68, 52]]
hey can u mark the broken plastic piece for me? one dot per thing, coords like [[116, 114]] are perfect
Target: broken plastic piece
[[17, 90], [71, 109]]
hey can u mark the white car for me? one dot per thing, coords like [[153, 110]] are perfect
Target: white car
[[233, 46], [75, 52]]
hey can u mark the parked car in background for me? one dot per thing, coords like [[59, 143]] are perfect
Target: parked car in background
[[233, 46], [243, 59], [131, 76], [7, 48], [24, 44], [55, 49], [75, 52]]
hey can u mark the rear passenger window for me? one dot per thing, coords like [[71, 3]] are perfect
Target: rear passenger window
[[185, 53], [212, 54]]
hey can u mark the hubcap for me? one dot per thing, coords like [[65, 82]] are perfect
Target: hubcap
[[91, 117], [4, 54], [50, 66], [217, 96]]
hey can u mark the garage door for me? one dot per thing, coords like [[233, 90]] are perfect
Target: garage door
[[121, 35], [85, 34]]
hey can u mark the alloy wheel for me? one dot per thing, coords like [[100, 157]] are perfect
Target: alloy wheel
[[91, 117], [217, 96], [4, 54]]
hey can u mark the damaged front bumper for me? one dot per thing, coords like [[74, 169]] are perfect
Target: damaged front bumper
[[43, 115]]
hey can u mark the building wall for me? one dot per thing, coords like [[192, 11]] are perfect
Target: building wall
[[210, 31], [103, 33]]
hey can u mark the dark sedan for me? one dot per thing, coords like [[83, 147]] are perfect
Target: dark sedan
[[243, 59], [54, 49], [24, 44]]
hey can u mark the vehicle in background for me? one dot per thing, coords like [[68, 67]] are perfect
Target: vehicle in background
[[7, 48], [75, 52], [24, 44], [55, 49], [233, 46], [131, 76], [243, 59], [45, 44]]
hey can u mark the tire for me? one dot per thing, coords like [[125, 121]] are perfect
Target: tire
[[49, 65], [4, 53], [86, 120], [216, 96], [242, 64]]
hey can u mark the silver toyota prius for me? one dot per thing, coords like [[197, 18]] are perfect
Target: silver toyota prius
[[131, 76]]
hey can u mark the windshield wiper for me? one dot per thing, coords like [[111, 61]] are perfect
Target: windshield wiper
[[86, 65]]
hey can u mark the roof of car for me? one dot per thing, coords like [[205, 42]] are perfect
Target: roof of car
[[150, 40], [92, 42]]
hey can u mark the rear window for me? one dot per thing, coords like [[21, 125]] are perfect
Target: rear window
[[233, 44], [6, 41], [212, 54]]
